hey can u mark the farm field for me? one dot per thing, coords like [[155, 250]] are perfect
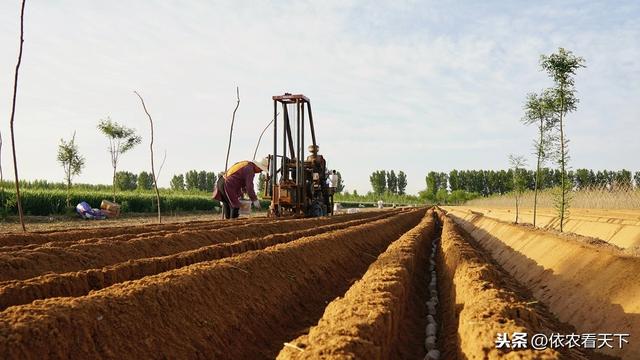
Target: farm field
[[378, 284], [620, 227]]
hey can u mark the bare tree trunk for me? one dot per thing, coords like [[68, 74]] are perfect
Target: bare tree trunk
[[153, 171], [233, 120], [113, 181], [537, 182], [562, 163], [517, 209], [13, 111]]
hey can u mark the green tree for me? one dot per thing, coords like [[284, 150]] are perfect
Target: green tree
[[71, 160], [177, 182], [561, 67], [392, 182], [145, 181], [636, 179], [517, 164], [402, 182], [211, 180], [121, 140], [432, 183], [539, 112], [378, 181], [340, 185], [191, 180], [623, 179], [202, 181], [126, 180], [262, 180]]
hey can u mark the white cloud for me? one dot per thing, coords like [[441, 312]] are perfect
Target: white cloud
[[404, 85]]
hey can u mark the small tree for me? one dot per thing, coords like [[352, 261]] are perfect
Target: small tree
[[539, 111], [561, 67], [262, 179], [126, 180], [636, 178], [378, 181], [177, 182], [121, 140], [340, 185], [145, 181], [519, 178], [202, 180], [392, 182], [71, 160], [191, 180], [402, 182], [211, 180]]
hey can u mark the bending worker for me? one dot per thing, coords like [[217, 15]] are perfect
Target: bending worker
[[238, 179]]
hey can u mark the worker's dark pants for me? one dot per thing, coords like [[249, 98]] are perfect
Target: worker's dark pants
[[229, 212]]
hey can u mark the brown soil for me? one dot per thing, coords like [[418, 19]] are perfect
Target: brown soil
[[592, 288], [241, 307], [382, 315], [97, 253], [477, 304], [17, 292]]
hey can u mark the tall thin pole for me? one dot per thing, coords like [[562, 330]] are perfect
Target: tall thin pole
[[233, 120], [13, 111], [153, 170]]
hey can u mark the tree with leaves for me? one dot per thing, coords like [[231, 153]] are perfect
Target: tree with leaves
[[378, 181], [402, 182], [562, 67], [71, 160], [191, 180], [121, 139], [145, 181], [392, 182], [340, 185], [177, 182], [518, 163], [539, 112], [126, 181]]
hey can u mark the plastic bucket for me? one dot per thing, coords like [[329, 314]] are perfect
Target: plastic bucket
[[245, 207]]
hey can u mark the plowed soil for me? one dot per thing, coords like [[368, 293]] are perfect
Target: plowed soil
[[350, 286]]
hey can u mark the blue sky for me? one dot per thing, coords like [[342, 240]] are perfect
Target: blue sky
[[404, 85]]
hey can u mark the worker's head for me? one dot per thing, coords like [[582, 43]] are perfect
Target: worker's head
[[262, 165]]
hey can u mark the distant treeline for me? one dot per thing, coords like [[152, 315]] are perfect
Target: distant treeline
[[491, 182]]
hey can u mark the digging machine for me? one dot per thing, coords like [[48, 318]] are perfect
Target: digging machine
[[296, 186]]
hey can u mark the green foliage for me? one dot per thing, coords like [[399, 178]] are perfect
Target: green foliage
[[561, 67], [126, 180], [177, 182], [435, 182], [49, 202], [71, 160], [121, 138], [340, 185], [191, 180], [378, 181], [262, 179], [402, 182], [145, 181], [392, 182]]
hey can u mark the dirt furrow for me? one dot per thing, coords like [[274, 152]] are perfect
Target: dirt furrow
[[590, 287], [24, 264], [479, 300], [242, 307], [197, 226], [374, 318], [81, 282], [132, 235]]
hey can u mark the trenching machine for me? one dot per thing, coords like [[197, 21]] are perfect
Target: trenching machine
[[296, 187]]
